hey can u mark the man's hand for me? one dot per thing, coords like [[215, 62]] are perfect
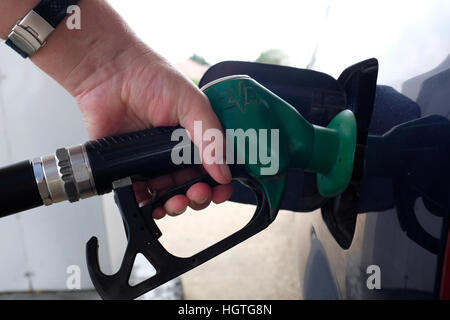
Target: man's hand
[[121, 85], [137, 90]]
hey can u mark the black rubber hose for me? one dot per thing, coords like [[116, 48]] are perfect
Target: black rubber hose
[[18, 189]]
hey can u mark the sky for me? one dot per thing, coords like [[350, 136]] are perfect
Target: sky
[[408, 37], [224, 30]]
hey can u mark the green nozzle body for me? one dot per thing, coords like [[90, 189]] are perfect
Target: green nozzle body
[[279, 132]]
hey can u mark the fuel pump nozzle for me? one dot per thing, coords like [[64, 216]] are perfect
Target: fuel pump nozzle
[[113, 163]]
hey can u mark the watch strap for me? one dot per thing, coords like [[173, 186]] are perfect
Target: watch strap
[[31, 33], [54, 11]]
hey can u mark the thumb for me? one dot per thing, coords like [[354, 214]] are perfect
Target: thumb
[[196, 115]]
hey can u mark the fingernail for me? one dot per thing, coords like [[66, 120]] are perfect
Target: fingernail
[[177, 213], [225, 171], [202, 201]]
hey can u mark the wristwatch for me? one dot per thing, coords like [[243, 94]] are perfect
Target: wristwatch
[[31, 33]]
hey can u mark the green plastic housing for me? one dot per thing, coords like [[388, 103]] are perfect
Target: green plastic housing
[[242, 103]]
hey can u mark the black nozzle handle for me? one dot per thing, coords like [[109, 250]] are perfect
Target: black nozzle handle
[[145, 154], [18, 189]]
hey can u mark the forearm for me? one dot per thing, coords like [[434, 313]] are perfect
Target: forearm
[[77, 59]]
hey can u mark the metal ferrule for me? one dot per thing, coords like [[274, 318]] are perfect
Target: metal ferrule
[[66, 175]]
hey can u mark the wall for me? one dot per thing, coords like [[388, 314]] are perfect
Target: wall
[[36, 117]]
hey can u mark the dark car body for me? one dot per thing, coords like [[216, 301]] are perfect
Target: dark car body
[[386, 237]]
